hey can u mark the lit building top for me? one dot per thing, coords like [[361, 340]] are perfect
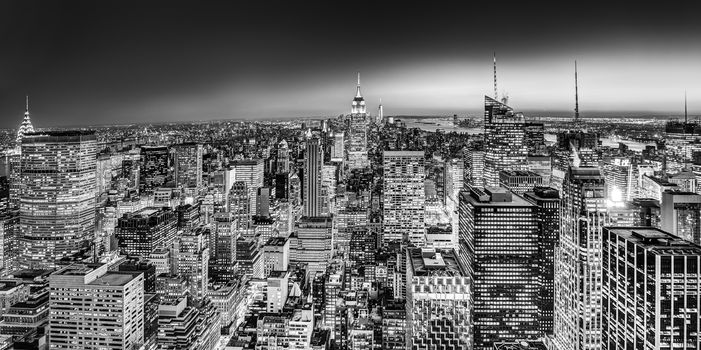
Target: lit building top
[[26, 126]]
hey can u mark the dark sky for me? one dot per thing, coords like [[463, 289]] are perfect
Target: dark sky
[[97, 62]]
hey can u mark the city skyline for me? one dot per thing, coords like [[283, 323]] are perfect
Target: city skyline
[[84, 65]]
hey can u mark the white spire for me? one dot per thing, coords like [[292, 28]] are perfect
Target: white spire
[[357, 92], [26, 126]]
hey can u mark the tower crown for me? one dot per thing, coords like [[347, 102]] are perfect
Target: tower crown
[[358, 104], [26, 126]]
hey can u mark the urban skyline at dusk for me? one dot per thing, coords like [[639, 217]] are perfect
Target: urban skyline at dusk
[[393, 176], [81, 64]]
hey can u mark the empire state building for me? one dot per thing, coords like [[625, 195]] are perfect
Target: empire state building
[[357, 138]]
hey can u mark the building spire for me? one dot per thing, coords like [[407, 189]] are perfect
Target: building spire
[[495, 76], [576, 94], [686, 116], [26, 126], [357, 92]]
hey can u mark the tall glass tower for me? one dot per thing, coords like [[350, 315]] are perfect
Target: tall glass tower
[[57, 199]]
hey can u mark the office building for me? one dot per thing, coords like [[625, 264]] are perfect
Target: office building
[[577, 314], [141, 233], [520, 181], [504, 141], [404, 197], [154, 168], [188, 164], [276, 255], [313, 158], [499, 247], [96, 308], [263, 202], [310, 244], [681, 215], [357, 151], [650, 290], [438, 300], [250, 172], [283, 158], [547, 200], [193, 260], [57, 198]]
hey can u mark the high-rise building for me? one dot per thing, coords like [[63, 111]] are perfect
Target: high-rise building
[[499, 247], [94, 308], [276, 255], [438, 300], [583, 213], [338, 152], [505, 146], [404, 197], [650, 290], [188, 327], [311, 243], [548, 202], [618, 174], [193, 260], [57, 199], [9, 224], [312, 178], [250, 172], [188, 165], [283, 158], [141, 233], [681, 215], [357, 132], [474, 168], [263, 202], [154, 170], [240, 205], [394, 326]]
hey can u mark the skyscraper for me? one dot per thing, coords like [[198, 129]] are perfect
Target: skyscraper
[[548, 202], [26, 127], [57, 198], [313, 159], [193, 259], [283, 158], [438, 300], [338, 152], [650, 290], [154, 170], [504, 135], [250, 171], [310, 244], [141, 233], [357, 132], [94, 308], [681, 215], [404, 197], [188, 165], [499, 247], [577, 318]]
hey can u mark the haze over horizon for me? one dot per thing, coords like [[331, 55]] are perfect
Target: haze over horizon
[[99, 63]]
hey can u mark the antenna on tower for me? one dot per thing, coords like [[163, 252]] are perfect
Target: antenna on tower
[[26, 104], [576, 94], [686, 116], [495, 76]]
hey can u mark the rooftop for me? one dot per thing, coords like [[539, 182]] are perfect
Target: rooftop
[[277, 241], [434, 262], [114, 279], [494, 197], [655, 240]]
